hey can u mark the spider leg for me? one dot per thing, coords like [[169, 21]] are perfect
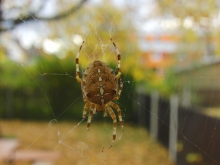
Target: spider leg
[[119, 91], [119, 59], [115, 106], [112, 114], [85, 110], [77, 65], [105, 112], [93, 108], [89, 119]]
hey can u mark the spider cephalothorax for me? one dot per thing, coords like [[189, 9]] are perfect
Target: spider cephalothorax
[[99, 87]]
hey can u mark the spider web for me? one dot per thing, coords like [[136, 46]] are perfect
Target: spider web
[[82, 146]]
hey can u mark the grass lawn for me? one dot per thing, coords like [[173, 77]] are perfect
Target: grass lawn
[[81, 147]]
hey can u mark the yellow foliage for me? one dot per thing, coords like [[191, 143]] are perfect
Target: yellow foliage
[[96, 29]]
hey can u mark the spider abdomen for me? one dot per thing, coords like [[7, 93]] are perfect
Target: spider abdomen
[[99, 84]]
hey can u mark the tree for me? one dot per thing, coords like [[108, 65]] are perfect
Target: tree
[[27, 15], [12, 15], [95, 25], [198, 26]]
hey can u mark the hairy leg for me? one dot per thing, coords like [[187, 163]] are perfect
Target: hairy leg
[[115, 106], [85, 110], [112, 114], [89, 119]]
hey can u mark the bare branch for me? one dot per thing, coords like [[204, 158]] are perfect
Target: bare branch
[[33, 17]]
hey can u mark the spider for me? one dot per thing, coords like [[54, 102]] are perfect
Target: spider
[[99, 87]]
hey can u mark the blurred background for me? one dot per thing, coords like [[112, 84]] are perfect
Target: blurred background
[[169, 49]]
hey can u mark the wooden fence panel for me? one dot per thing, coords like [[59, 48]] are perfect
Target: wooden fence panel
[[198, 134]]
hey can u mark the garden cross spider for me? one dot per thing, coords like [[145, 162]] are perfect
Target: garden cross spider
[[99, 87]]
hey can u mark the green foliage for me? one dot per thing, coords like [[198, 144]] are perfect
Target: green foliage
[[50, 91], [12, 75]]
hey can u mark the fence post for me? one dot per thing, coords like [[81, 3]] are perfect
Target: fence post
[[186, 100], [173, 127], [154, 115]]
